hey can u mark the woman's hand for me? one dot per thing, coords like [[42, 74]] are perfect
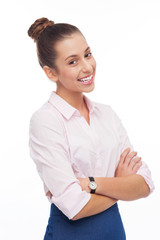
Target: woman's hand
[[128, 164]]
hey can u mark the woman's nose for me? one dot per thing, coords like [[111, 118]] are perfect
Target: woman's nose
[[86, 66]]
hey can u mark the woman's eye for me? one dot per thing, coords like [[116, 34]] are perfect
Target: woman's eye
[[88, 54], [73, 62]]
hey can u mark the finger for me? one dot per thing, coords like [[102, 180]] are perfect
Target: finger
[[124, 154], [137, 166], [134, 161], [129, 157], [49, 194]]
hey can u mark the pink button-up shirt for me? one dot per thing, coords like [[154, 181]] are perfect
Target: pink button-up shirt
[[64, 147]]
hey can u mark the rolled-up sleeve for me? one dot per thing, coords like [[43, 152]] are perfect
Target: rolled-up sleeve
[[125, 143], [50, 151]]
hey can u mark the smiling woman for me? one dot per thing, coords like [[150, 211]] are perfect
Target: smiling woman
[[75, 67], [80, 147], [66, 58]]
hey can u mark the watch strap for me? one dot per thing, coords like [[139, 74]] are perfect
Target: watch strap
[[91, 179]]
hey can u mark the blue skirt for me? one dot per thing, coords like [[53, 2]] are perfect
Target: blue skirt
[[106, 225]]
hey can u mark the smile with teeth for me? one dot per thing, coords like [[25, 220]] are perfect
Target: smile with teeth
[[87, 79]]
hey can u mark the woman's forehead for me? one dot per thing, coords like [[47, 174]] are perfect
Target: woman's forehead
[[73, 45]]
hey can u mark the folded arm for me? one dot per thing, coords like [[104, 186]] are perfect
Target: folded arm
[[123, 188], [126, 185]]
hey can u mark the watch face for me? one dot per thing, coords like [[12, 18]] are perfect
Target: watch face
[[93, 185]]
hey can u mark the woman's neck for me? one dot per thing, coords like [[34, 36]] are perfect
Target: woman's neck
[[75, 99]]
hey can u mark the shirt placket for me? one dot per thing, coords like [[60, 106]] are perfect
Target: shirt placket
[[96, 143]]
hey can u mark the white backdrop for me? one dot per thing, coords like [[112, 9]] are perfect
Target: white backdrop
[[125, 40]]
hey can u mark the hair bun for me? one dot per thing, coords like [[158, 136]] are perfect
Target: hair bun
[[38, 27]]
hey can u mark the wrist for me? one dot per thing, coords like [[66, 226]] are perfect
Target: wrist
[[102, 183], [98, 185]]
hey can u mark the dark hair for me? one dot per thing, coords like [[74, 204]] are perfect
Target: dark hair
[[46, 34]]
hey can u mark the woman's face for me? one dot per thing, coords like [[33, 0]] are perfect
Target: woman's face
[[75, 64]]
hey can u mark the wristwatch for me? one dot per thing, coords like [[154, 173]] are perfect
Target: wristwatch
[[92, 185]]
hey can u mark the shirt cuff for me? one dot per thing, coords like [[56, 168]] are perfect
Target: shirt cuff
[[72, 200], [146, 174]]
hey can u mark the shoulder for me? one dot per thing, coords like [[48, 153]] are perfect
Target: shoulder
[[46, 116]]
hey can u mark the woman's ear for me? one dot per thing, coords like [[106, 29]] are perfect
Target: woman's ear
[[51, 73]]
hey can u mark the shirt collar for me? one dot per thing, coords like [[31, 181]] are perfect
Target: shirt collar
[[65, 108]]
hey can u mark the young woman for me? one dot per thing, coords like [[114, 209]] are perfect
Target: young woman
[[80, 147]]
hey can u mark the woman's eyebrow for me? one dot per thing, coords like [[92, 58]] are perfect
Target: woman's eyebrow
[[76, 55]]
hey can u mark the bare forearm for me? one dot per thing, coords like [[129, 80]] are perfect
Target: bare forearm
[[123, 188], [96, 204]]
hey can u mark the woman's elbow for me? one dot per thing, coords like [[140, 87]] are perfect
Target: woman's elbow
[[145, 190], [76, 217]]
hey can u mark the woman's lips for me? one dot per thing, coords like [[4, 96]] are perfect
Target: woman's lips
[[87, 82]]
